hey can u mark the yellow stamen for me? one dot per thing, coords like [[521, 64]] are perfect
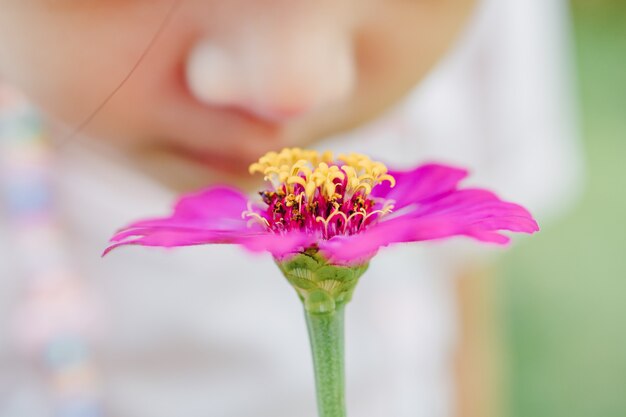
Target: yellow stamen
[[313, 171], [254, 217]]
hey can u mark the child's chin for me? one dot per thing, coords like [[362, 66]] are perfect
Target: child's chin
[[183, 170]]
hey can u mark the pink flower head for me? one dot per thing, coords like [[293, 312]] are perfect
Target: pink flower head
[[344, 209]]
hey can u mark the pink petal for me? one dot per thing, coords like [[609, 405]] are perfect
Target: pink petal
[[478, 214], [213, 208], [280, 246], [419, 184], [472, 206], [210, 216], [168, 238]]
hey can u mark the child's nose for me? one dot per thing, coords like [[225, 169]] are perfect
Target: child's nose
[[272, 75]]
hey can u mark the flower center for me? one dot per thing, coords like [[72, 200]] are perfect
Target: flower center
[[314, 193]]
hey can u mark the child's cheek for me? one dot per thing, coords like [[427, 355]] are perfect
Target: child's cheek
[[68, 57]]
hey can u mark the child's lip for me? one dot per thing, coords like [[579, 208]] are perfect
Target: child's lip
[[233, 164], [246, 138]]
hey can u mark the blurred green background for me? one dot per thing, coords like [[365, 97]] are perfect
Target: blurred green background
[[564, 295]]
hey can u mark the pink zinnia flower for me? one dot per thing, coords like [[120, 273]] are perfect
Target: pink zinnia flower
[[323, 220], [342, 210]]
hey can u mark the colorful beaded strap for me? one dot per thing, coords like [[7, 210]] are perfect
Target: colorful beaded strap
[[55, 322]]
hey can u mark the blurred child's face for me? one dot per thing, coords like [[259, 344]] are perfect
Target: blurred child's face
[[227, 79]]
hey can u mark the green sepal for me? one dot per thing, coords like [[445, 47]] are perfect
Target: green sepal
[[321, 285], [319, 301]]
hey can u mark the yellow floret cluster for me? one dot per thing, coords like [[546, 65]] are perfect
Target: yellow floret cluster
[[315, 171]]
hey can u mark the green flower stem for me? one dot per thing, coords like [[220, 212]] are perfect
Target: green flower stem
[[326, 336], [324, 289]]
